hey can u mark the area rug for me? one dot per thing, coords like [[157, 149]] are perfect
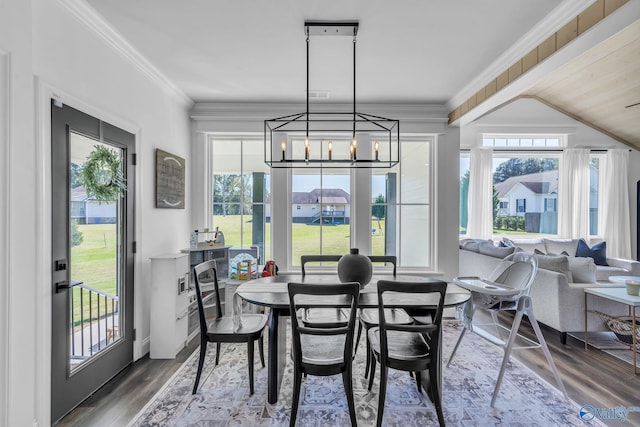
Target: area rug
[[223, 397]]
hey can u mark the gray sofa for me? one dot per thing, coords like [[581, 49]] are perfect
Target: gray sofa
[[558, 289]]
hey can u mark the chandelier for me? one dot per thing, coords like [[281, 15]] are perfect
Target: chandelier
[[339, 139]]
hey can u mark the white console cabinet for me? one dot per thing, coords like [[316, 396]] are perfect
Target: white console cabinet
[[169, 305]]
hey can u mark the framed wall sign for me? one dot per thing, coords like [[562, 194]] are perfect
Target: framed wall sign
[[170, 173]]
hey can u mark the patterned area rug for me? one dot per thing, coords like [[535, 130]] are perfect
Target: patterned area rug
[[223, 398]]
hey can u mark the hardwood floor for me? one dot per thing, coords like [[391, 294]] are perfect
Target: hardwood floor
[[591, 378]]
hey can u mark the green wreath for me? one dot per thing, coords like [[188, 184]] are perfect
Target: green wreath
[[102, 175]]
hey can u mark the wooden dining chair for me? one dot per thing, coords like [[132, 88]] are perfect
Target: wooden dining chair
[[369, 316], [325, 317], [318, 350], [221, 329], [412, 348]]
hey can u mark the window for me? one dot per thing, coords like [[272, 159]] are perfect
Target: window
[[321, 217], [521, 205], [527, 142], [401, 206], [550, 205], [240, 184], [503, 205], [464, 192], [594, 188]]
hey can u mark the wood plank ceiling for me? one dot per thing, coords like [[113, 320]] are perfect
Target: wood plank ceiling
[[600, 87]]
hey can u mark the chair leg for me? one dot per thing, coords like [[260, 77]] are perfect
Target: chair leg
[[435, 394], [507, 350], [261, 349], [419, 381], [217, 353], [295, 399], [203, 353], [369, 358], [250, 347], [383, 393], [372, 374], [545, 349], [348, 388], [453, 353], [355, 348]]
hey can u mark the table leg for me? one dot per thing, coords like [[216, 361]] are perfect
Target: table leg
[[586, 333], [634, 340], [277, 353]]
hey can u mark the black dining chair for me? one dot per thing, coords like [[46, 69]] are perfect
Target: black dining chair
[[320, 350], [325, 317], [413, 348], [221, 329], [369, 316]]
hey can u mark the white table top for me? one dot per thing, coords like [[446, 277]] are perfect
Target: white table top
[[615, 294], [623, 279]]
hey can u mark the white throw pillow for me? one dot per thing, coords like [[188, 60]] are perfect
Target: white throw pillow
[[583, 269], [557, 246]]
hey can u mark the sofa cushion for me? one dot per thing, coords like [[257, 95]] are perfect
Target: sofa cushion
[[557, 263], [570, 246], [495, 251], [598, 251], [528, 245], [583, 270], [603, 272], [473, 244]]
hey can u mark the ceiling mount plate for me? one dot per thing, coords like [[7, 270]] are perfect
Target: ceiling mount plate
[[331, 28]]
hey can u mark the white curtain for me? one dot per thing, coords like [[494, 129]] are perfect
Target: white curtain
[[573, 194], [616, 227], [480, 223]]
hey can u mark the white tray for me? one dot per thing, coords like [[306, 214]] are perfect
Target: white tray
[[476, 284]]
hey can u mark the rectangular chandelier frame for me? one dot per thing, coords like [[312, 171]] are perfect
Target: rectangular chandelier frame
[[282, 135]]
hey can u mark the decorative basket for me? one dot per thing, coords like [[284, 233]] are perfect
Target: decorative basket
[[621, 327]]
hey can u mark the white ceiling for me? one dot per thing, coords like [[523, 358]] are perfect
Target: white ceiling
[[409, 51]]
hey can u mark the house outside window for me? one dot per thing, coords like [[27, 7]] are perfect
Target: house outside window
[[521, 205]]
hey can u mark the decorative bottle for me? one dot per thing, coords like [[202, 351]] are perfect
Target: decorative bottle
[[355, 267]]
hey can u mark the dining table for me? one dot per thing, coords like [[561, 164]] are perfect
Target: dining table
[[272, 292]]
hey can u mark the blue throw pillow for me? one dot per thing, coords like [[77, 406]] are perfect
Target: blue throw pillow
[[598, 252]]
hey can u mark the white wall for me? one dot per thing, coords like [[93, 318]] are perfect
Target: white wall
[[18, 227], [51, 50]]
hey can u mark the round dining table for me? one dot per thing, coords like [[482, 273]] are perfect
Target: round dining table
[[272, 292]]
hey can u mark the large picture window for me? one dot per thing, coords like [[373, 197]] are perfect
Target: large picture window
[[320, 212], [401, 207], [240, 186], [525, 196]]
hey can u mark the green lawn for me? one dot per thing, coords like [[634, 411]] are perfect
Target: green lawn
[[94, 263], [305, 238]]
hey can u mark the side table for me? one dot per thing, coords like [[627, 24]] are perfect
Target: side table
[[619, 295]]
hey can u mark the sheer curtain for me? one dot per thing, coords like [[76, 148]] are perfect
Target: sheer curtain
[[480, 223], [615, 204], [573, 194]]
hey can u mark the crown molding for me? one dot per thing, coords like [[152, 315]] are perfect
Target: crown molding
[[551, 23], [88, 16], [229, 111]]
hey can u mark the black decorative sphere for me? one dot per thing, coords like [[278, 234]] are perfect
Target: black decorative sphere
[[355, 268]]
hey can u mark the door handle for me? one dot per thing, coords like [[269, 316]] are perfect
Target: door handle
[[60, 286]]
